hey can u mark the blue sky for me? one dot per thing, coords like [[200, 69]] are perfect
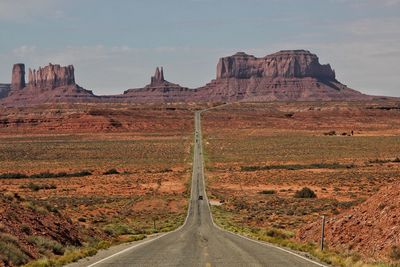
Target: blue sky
[[116, 45]]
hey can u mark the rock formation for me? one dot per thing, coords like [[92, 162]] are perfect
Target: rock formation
[[52, 83], [4, 90], [286, 64], [289, 75], [52, 76], [18, 77], [286, 76], [159, 90], [158, 77]]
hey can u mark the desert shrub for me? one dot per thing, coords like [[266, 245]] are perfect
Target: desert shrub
[[10, 251], [26, 229], [46, 244], [60, 174], [268, 192], [115, 123], [395, 253], [13, 176], [298, 167], [276, 233], [330, 133], [305, 192], [37, 187], [44, 175], [117, 229], [166, 170], [111, 171]]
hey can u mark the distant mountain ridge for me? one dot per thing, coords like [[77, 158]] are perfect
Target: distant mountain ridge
[[288, 75]]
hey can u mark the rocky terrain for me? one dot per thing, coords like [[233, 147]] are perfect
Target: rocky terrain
[[30, 230], [288, 75], [372, 228]]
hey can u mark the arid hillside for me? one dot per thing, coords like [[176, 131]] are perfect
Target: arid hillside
[[372, 228]]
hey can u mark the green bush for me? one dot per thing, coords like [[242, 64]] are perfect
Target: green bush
[[117, 229], [305, 192], [47, 244], [10, 251]]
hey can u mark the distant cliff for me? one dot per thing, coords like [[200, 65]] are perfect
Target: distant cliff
[[52, 76], [286, 64], [52, 83], [288, 75]]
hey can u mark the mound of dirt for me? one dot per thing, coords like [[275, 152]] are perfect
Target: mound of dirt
[[371, 229], [30, 230]]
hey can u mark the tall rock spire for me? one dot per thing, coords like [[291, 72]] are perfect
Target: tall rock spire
[[162, 75], [158, 76], [18, 77]]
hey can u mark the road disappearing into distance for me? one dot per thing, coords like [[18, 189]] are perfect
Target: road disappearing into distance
[[199, 242]]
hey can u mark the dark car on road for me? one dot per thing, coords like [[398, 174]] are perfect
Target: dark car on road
[[200, 197]]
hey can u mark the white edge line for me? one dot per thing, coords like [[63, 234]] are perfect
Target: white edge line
[[151, 240], [244, 237]]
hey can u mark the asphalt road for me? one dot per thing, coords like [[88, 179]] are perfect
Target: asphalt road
[[199, 242]]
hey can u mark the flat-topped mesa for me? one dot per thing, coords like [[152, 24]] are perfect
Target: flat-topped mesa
[[18, 77], [285, 64], [52, 76]]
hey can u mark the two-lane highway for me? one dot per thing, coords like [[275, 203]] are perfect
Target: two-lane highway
[[199, 242]]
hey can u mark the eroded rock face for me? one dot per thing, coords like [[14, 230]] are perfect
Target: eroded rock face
[[286, 64], [52, 76], [4, 90], [18, 77], [158, 77]]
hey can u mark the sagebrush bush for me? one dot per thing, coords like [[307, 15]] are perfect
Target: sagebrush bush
[[395, 253], [10, 251], [305, 192]]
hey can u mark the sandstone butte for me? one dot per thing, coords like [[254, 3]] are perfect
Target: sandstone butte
[[290, 75]]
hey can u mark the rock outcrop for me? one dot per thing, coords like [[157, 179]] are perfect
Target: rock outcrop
[[18, 77], [159, 90], [4, 90], [52, 76], [158, 77], [286, 64], [289, 75], [50, 84]]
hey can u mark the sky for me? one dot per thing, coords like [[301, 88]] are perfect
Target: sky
[[116, 45]]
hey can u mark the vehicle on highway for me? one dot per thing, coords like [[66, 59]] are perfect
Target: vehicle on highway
[[200, 197]]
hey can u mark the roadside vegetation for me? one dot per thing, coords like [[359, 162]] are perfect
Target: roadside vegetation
[[284, 238]]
